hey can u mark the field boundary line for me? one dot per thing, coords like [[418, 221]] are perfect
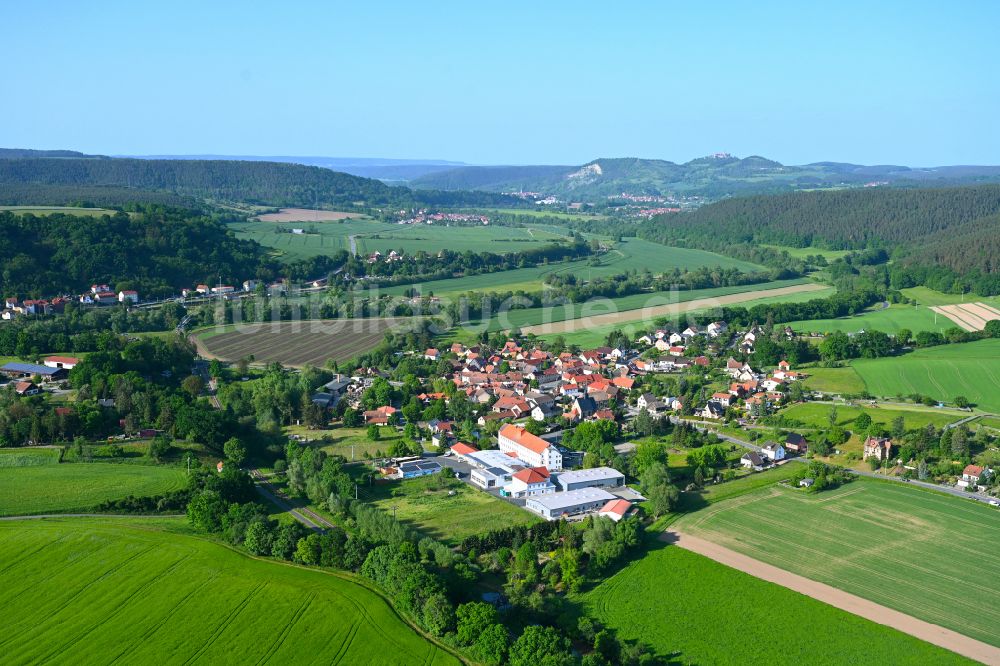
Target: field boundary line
[[926, 631]]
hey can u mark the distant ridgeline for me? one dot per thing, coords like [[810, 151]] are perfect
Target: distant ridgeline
[[263, 183]]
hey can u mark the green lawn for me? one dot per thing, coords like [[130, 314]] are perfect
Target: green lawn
[[24, 457], [79, 487], [815, 415], [803, 252], [834, 380], [923, 553], [352, 443], [679, 601], [971, 370], [429, 508], [148, 592]]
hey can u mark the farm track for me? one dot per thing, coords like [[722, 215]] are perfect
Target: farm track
[[643, 314], [926, 631]]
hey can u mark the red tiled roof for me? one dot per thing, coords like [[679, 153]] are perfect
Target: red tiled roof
[[463, 449], [617, 506], [524, 438], [532, 475]]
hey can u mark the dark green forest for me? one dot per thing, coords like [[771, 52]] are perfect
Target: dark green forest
[[156, 251], [264, 183]]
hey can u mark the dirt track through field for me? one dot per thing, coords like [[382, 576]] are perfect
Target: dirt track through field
[[644, 314], [932, 633]]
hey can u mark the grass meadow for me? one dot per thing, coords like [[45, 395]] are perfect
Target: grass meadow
[[834, 380], [86, 591], [448, 512], [66, 210], [78, 487], [25, 457], [944, 372], [703, 612], [923, 553]]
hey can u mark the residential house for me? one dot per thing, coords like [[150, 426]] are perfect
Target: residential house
[[879, 448], [773, 451], [529, 482], [796, 443], [713, 410], [128, 295], [752, 460], [971, 476], [26, 388]]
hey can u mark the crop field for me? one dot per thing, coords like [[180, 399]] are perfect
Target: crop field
[[66, 210], [679, 601], [834, 380], [144, 592], [24, 457], [649, 306], [632, 254], [912, 550], [969, 316], [78, 487], [429, 508], [944, 372], [888, 320], [816, 415], [306, 215], [632, 323], [296, 344]]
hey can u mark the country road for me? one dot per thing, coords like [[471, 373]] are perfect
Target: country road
[[354, 243]]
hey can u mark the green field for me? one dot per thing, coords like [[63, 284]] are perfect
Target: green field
[[596, 335], [543, 213], [944, 372], [24, 457], [632, 254], [923, 553], [67, 210], [430, 509], [78, 487], [144, 592], [803, 252], [815, 415], [834, 380], [928, 297], [888, 320], [679, 601]]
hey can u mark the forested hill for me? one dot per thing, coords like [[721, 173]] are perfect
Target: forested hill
[[156, 250], [956, 228], [265, 183]]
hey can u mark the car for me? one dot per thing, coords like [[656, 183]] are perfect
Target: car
[[994, 503]]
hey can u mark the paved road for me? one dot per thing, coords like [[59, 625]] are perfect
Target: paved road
[[307, 517]]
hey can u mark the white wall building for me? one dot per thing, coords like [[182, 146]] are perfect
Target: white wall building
[[574, 502], [530, 448], [596, 477]]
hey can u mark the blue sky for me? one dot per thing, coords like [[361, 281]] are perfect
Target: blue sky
[[914, 83]]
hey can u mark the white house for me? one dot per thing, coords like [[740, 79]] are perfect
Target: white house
[[752, 460], [773, 451], [530, 448], [128, 295], [530, 482]]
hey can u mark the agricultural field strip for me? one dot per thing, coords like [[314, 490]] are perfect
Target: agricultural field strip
[[571, 325], [757, 527], [270, 348], [111, 591], [960, 317]]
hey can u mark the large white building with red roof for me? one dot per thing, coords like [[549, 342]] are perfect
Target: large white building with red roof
[[530, 448]]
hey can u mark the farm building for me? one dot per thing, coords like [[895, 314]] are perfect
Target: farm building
[[530, 448], [571, 503], [596, 477], [16, 370], [67, 362]]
